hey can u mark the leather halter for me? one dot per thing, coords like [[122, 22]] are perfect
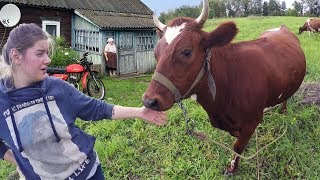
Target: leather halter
[[175, 91]]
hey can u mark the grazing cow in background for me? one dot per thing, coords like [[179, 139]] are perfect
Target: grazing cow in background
[[233, 82], [311, 25]]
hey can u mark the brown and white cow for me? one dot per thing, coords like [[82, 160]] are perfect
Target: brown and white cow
[[311, 25], [240, 80]]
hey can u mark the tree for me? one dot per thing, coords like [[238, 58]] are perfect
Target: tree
[[310, 6], [256, 7], [292, 12], [238, 8], [317, 8], [265, 9], [298, 6], [230, 10], [235, 7], [283, 8], [274, 8], [246, 7], [223, 8], [217, 8], [186, 11]]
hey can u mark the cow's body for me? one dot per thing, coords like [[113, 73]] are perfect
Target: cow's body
[[248, 76], [311, 25]]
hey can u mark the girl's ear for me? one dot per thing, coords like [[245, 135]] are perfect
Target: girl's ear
[[15, 56]]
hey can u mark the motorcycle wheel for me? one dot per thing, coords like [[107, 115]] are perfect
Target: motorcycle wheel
[[96, 90]]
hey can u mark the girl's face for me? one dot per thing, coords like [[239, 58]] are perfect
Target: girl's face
[[35, 62]]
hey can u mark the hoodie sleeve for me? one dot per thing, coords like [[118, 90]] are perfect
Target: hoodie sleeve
[[85, 107], [3, 149]]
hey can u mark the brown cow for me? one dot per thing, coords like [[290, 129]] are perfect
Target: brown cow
[[237, 83], [311, 25]]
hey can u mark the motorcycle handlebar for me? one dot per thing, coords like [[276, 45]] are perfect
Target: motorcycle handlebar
[[84, 60]]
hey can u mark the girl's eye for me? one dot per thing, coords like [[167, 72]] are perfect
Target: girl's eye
[[41, 54], [187, 53]]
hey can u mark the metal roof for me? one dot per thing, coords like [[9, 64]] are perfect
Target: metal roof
[[119, 6], [109, 20], [42, 3], [108, 14]]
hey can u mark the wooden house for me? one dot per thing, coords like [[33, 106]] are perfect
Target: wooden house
[[86, 26]]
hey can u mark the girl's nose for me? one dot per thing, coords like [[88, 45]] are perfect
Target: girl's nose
[[47, 60]]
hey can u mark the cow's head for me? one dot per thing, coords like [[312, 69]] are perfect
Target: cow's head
[[180, 55], [301, 29]]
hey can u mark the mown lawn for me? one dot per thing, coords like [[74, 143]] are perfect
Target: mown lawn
[[133, 149]]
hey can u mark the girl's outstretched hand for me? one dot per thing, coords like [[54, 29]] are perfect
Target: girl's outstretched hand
[[155, 117]]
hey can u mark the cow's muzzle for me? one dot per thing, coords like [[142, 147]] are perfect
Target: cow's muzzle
[[150, 103]]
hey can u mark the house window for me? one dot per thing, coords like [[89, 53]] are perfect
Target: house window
[[86, 40], [52, 27], [145, 40], [125, 40]]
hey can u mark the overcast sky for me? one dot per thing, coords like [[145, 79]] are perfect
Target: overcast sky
[[160, 6], [164, 5]]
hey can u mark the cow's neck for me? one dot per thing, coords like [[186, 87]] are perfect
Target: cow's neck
[[214, 109], [213, 106]]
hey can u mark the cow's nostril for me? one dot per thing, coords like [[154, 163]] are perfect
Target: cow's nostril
[[151, 103]]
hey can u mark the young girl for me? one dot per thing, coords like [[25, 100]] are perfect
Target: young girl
[[38, 113]]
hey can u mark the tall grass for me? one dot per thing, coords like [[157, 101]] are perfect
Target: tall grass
[[133, 149]]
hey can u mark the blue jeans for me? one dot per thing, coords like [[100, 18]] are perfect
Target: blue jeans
[[98, 175]]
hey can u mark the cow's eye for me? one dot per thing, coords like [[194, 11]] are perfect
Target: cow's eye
[[187, 53]]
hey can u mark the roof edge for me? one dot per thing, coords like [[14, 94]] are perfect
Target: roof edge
[[85, 18]]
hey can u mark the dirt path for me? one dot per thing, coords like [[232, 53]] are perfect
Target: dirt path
[[310, 93]]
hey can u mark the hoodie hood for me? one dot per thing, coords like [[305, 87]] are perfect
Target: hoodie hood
[[6, 87], [26, 94]]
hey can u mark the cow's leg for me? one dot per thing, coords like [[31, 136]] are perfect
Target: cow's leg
[[284, 107], [240, 145]]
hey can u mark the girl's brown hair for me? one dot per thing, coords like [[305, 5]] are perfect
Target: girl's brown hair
[[20, 38]]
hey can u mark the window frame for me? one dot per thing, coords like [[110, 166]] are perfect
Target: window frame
[[54, 23], [87, 40]]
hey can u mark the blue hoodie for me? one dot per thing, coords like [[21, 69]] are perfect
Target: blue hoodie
[[37, 124]]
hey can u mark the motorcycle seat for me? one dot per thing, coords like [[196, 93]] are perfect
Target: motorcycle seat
[[52, 70]]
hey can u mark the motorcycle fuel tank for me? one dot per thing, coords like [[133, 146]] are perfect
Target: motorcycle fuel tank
[[74, 68]]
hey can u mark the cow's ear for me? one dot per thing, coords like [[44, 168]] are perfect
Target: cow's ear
[[222, 35], [159, 33]]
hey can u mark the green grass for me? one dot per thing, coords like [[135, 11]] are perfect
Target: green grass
[[251, 28], [133, 149]]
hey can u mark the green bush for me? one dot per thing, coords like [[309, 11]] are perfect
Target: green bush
[[292, 12], [62, 55]]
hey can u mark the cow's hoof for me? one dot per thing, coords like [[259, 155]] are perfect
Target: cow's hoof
[[230, 171], [283, 111]]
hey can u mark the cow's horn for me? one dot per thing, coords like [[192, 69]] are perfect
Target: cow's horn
[[204, 14], [159, 24]]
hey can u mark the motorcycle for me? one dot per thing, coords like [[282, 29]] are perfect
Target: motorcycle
[[90, 80]]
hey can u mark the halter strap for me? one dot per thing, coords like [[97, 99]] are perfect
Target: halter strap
[[168, 84]]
